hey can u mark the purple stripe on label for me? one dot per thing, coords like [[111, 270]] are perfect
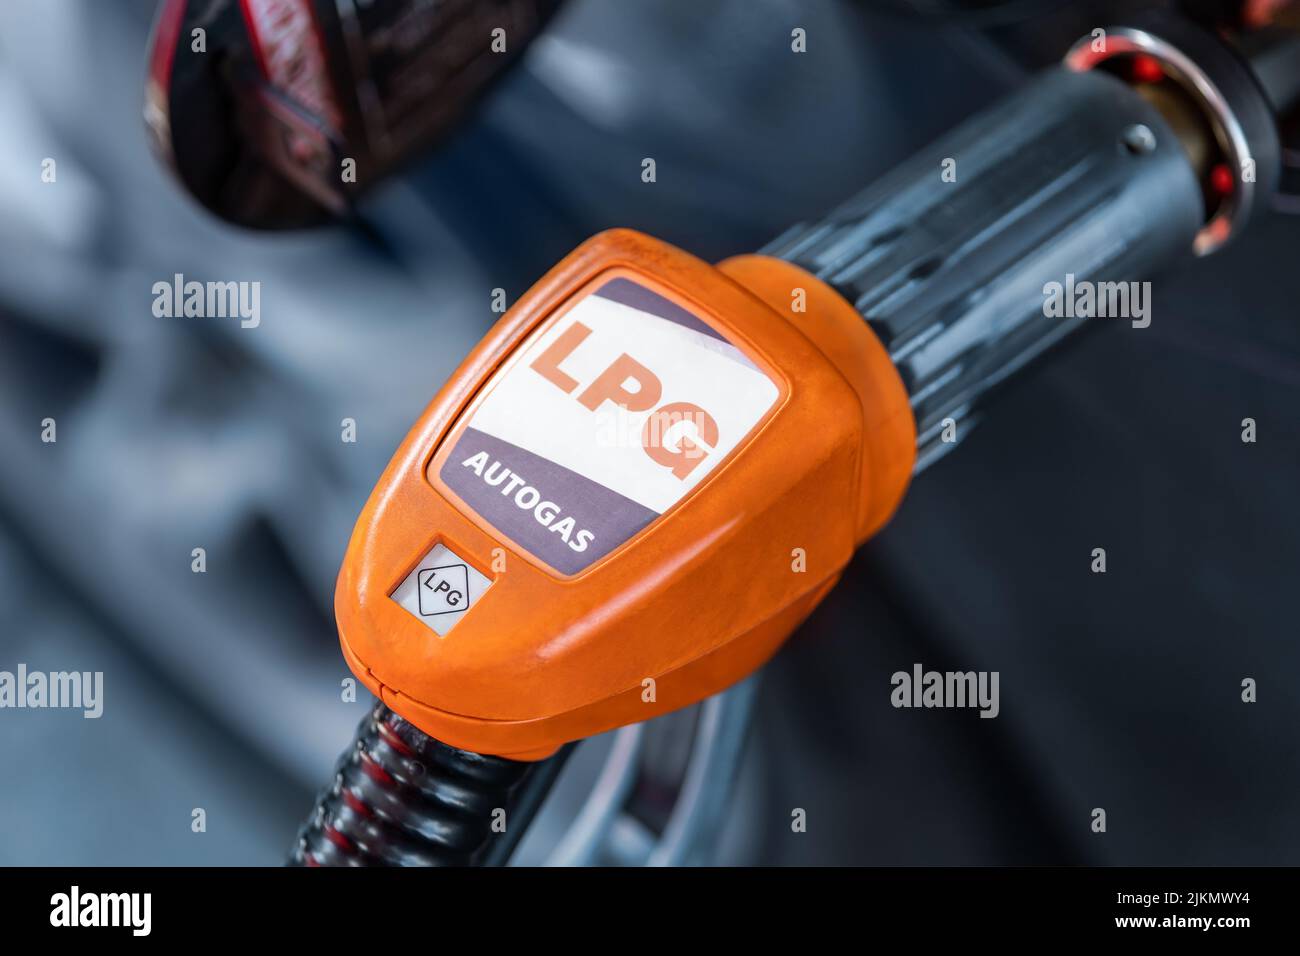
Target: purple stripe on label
[[637, 296], [564, 519]]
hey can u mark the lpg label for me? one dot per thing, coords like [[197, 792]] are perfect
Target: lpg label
[[608, 417]]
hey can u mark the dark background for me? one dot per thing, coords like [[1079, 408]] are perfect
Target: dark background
[[1119, 691]]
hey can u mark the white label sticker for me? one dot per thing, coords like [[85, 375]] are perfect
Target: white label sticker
[[441, 589], [607, 419]]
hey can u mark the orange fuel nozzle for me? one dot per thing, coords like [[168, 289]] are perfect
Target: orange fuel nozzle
[[652, 469], [626, 498]]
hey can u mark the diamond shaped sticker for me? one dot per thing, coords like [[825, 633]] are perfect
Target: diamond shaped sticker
[[443, 590], [440, 589]]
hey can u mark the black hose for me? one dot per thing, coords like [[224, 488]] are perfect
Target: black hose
[[952, 275], [401, 798]]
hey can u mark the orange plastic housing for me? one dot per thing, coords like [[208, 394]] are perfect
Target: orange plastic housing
[[686, 607]]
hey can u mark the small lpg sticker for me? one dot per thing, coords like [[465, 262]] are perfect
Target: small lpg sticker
[[441, 589]]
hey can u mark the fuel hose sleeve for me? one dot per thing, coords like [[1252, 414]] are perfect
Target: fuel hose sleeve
[[1076, 179], [401, 798]]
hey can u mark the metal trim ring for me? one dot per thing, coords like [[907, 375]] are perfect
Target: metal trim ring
[[1231, 217]]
